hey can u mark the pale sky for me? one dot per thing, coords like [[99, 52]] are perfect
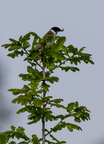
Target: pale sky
[[83, 23]]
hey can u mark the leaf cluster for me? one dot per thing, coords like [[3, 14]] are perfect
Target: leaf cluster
[[18, 133], [41, 66], [55, 55]]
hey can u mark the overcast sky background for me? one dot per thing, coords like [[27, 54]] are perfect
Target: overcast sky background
[[83, 23]]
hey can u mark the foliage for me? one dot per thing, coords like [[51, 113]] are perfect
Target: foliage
[[33, 96]]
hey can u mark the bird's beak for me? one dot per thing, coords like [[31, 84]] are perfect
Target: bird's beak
[[62, 30]]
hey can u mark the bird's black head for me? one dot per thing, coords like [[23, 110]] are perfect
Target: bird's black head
[[56, 29]]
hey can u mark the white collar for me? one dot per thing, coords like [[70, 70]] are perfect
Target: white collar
[[53, 32]]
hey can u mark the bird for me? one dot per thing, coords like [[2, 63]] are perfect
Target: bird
[[52, 32]]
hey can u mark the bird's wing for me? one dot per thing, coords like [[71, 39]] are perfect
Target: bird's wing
[[49, 33], [38, 46]]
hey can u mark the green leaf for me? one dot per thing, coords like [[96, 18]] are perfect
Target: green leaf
[[51, 66], [26, 44], [17, 133], [20, 39], [60, 42], [22, 99], [67, 68], [82, 49], [51, 79], [35, 113], [72, 106], [3, 138], [16, 91], [6, 45], [75, 60], [57, 105], [35, 139], [30, 69], [59, 117], [25, 37], [71, 127], [45, 86], [12, 142], [81, 114], [72, 50], [38, 102], [59, 126], [22, 110], [26, 88], [13, 128], [47, 98], [12, 40], [16, 54], [57, 100]]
